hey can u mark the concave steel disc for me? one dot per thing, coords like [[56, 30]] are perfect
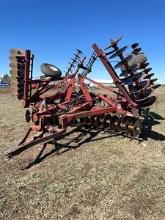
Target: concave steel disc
[[135, 45], [148, 76], [16, 51], [137, 50], [130, 70], [113, 43], [107, 120], [118, 52], [125, 60], [16, 58], [144, 65], [147, 70], [13, 72], [142, 94], [155, 86], [130, 79], [110, 52], [153, 80], [124, 73], [137, 76], [141, 85], [136, 128], [146, 103]]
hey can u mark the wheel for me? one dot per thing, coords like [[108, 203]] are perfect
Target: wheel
[[51, 70], [137, 59]]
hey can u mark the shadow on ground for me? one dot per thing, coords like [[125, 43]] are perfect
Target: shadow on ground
[[147, 131], [87, 135]]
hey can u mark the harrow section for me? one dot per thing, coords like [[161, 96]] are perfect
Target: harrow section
[[56, 102]]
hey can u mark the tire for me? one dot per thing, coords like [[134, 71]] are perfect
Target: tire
[[51, 71], [137, 59]]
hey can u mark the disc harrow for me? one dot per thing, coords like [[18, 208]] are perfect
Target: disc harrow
[[56, 101]]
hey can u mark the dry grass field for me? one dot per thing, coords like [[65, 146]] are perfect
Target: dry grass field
[[106, 177]]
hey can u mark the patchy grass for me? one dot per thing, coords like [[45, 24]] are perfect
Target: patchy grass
[[109, 177]]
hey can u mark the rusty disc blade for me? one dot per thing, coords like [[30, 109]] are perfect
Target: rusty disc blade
[[17, 51], [110, 52], [135, 45], [147, 70], [137, 50], [130, 70], [141, 85], [136, 128], [16, 58], [144, 65], [125, 60], [124, 73], [118, 52], [146, 103], [148, 76], [13, 58], [18, 86], [153, 80], [113, 43], [129, 80], [138, 75], [107, 120], [13, 64], [142, 94], [155, 86], [13, 72]]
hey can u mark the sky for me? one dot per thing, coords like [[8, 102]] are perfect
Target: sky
[[52, 30]]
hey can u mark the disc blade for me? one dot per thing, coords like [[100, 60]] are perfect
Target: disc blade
[[138, 76], [147, 70], [13, 72], [135, 45], [141, 85], [155, 86], [124, 73], [129, 80], [143, 94], [16, 51], [125, 60], [144, 65], [79, 51], [137, 50], [110, 52], [118, 52], [153, 80], [148, 76], [16, 58], [113, 43], [130, 70], [146, 103]]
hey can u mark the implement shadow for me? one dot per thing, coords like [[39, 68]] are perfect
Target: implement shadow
[[88, 135], [147, 132], [85, 136]]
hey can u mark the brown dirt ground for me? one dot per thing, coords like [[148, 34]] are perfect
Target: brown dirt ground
[[108, 177]]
